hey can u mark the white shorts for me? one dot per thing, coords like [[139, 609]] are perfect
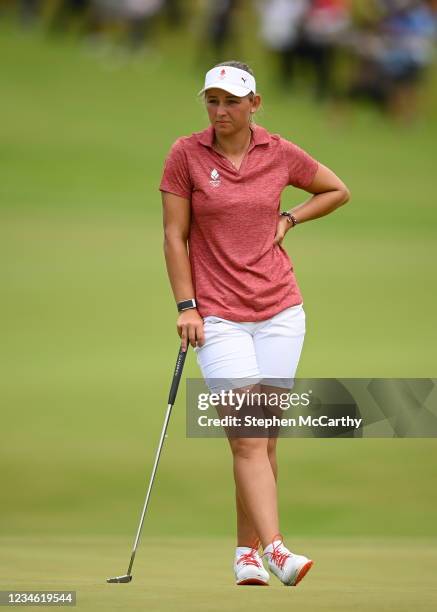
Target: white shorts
[[238, 354]]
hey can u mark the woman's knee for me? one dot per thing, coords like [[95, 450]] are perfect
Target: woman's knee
[[248, 447]]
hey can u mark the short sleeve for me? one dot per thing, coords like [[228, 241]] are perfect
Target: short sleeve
[[301, 166], [176, 175]]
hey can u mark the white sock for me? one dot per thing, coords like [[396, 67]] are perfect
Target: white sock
[[242, 550]]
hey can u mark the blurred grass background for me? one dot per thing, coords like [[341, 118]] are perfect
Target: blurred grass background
[[88, 339]]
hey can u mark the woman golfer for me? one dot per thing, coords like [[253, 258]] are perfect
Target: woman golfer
[[238, 301]]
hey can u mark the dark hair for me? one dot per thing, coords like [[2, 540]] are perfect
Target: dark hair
[[241, 66]]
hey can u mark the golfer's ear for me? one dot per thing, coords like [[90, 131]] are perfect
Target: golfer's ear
[[326, 180], [176, 216]]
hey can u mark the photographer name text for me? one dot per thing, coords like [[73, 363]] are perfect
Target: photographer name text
[[274, 421]]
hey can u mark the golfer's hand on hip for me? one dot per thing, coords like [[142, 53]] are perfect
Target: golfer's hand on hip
[[190, 328], [281, 229]]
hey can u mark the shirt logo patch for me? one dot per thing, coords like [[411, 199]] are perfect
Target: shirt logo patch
[[215, 178]]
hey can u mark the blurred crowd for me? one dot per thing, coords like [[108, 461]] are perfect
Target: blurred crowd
[[136, 18], [379, 50]]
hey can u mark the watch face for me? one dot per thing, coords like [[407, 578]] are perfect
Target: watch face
[[186, 305]]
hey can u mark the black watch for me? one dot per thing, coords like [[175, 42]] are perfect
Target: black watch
[[186, 305]]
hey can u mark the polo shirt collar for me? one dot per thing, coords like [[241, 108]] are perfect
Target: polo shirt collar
[[260, 136]]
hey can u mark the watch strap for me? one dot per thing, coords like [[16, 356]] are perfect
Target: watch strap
[[186, 305]]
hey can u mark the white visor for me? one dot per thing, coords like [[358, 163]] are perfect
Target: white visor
[[233, 80]]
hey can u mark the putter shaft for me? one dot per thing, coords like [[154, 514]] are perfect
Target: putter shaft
[[171, 399]]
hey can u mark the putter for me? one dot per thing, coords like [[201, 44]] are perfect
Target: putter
[[171, 399]]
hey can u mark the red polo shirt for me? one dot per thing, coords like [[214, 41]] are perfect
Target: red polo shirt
[[238, 273]]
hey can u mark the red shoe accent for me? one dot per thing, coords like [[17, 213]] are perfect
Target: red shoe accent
[[249, 558], [254, 581], [276, 556], [303, 572]]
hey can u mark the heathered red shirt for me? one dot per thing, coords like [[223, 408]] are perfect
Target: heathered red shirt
[[238, 273]]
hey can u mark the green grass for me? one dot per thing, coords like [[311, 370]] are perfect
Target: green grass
[[89, 360], [363, 574], [88, 343]]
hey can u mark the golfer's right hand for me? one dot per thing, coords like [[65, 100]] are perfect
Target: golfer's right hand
[[190, 328]]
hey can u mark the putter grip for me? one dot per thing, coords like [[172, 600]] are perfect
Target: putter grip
[[177, 375]]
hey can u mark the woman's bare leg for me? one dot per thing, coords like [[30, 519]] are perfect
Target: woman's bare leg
[[246, 532], [255, 473], [256, 485]]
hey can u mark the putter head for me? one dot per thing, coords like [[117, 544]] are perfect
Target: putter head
[[125, 578]]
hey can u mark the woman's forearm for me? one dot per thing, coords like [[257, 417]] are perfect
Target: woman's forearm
[[178, 268], [320, 204]]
